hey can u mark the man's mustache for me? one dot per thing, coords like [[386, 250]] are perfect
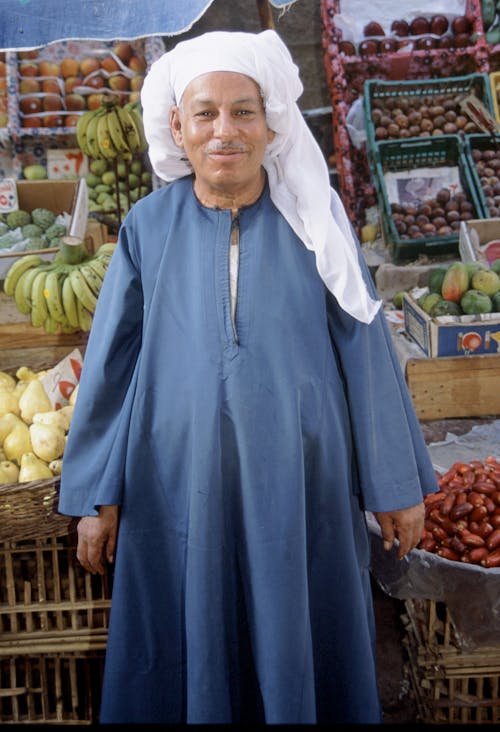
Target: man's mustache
[[225, 147]]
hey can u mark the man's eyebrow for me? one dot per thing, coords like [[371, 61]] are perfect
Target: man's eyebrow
[[244, 100]]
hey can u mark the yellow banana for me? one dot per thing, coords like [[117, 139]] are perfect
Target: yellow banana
[[84, 316], [39, 309], [91, 135], [82, 290], [16, 269], [81, 130], [23, 290], [104, 139], [117, 133], [94, 280], [106, 248], [98, 265], [130, 130], [135, 110], [69, 302], [50, 324], [52, 293]]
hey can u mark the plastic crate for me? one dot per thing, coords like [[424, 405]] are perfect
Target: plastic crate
[[377, 90], [431, 152], [481, 143]]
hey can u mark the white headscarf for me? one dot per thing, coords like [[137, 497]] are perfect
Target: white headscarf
[[297, 171]]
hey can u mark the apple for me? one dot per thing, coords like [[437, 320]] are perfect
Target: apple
[[461, 24], [88, 65], [51, 86], [29, 85], [118, 82], [52, 103], [137, 63], [30, 105], [71, 82], [49, 68], [96, 82], [69, 67], [124, 51], [53, 120], [71, 120], [28, 68], [137, 81], [75, 102], [110, 64], [94, 101], [34, 121]]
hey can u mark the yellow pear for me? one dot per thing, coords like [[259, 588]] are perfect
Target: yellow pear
[[9, 472], [9, 402], [67, 410], [56, 466], [34, 399], [17, 442], [7, 423], [7, 381], [24, 373], [48, 442], [55, 418], [32, 468]]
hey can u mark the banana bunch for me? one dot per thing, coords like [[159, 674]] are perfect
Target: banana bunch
[[112, 131], [59, 296]]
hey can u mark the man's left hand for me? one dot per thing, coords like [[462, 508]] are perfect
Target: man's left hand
[[406, 525]]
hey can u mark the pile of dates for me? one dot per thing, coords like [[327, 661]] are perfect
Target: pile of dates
[[422, 33], [462, 520], [487, 164], [420, 115], [440, 216]]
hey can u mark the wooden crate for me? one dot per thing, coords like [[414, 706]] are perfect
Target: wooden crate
[[454, 386], [451, 686]]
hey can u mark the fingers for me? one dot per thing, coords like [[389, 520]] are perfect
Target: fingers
[[406, 525], [90, 547]]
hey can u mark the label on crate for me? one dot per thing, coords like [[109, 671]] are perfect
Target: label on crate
[[8, 195]]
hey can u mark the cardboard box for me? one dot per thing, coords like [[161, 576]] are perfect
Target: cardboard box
[[479, 240], [463, 335]]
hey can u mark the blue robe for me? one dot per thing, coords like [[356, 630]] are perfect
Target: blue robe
[[243, 460]]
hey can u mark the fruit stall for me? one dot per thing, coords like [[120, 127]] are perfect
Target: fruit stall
[[415, 134]]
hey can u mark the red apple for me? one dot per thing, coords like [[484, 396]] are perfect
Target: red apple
[[51, 86], [69, 67], [28, 68], [53, 120], [49, 68], [29, 85], [75, 102], [71, 120], [118, 82], [71, 82], [96, 82], [110, 64], [30, 105], [31, 122], [94, 100], [137, 63], [52, 103], [88, 65], [124, 51]]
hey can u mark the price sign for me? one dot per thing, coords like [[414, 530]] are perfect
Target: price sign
[[8, 195]]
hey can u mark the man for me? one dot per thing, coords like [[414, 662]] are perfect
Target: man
[[240, 407]]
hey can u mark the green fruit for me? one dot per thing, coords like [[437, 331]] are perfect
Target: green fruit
[[92, 180], [495, 266], [31, 230], [98, 167], [487, 281], [397, 299], [428, 301], [445, 307], [35, 172], [18, 218], [43, 217], [475, 302], [435, 279], [495, 303], [136, 167], [108, 178]]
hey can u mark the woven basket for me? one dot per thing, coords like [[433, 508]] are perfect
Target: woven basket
[[29, 511]]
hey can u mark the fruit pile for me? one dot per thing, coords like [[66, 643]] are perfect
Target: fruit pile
[[462, 519], [38, 229], [32, 432], [54, 94], [60, 295], [439, 216], [462, 288], [487, 162], [102, 180]]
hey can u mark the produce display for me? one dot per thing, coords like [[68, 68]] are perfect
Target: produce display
[[59, 295], [487, 163], [32, 433], [462, 288], [26, 230], [462, 519], [440, 216]]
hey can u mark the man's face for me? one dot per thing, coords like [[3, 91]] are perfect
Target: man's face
[[221, 126]]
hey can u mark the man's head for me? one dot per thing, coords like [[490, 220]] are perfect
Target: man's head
[[220, 123]]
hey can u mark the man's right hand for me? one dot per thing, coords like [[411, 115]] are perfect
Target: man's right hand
[[97, 539]]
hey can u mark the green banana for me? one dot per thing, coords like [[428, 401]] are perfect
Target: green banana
[[106, 249], [16, 270], [84, 316], [39, 309], [104, 139], [81, 130], [117, 133], [69, 303], [82, 290], [52, 293]]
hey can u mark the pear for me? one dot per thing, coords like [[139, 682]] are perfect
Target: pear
[[9, 472], [48, 442], [7, 382], [9, 402], [56, 466], [55, 418], [32, 468], [17, 442], [34, 399], [7, 423]]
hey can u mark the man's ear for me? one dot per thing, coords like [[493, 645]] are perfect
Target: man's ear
[[176, 126]]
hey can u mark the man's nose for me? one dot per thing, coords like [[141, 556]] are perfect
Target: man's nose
[[224, 125]]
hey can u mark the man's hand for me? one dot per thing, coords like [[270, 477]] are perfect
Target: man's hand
[[406, 525], [97, 539]]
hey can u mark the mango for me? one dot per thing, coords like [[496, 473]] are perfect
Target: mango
[[455, 282], [35, 172], [487, 281], [475, 302]]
